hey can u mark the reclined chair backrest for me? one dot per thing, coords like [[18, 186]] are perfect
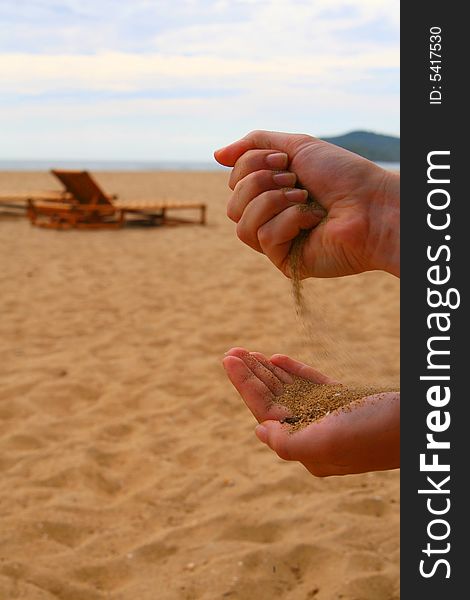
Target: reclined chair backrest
[[82, 186]]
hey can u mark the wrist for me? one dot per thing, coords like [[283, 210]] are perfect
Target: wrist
[[385, 211]]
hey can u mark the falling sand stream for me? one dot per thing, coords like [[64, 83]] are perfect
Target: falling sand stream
[[306, 400]]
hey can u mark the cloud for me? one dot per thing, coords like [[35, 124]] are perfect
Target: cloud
[[211, 67], [197, 41], [289, 29], [214, 27], [124, 72]]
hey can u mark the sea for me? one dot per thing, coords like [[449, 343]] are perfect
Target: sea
[[126, 165]]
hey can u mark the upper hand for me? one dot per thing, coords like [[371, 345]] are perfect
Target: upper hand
[[361, 232]]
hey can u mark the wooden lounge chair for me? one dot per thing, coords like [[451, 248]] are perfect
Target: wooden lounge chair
[[18, 203], [85, 205]]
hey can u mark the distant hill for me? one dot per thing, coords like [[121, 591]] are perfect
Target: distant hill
[[370, 145]]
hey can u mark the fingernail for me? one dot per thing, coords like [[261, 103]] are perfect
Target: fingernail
[[277, 161], [261, 433], [285, 179], [296, 195]]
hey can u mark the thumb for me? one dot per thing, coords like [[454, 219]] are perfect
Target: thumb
[[275, 435], [259, 140], [229, 155]]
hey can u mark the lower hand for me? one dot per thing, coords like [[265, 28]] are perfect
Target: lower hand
[[363, 438]]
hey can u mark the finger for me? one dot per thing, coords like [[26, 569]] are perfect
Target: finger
[[275, 435], [345, 440], [257, 396], [298, 445], [270, 380], [275, 237], [264, 208], [255, 184], [284, 376], [256, 160], [299, 369], [286, 142]]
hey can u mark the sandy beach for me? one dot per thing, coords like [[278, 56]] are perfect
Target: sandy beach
[[129, 465]]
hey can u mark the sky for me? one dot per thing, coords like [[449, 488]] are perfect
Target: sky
[[176, 79]]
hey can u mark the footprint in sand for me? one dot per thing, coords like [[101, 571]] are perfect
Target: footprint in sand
[[23, 442], [265, 533], [373, 506], [153, 551], [66, 534], [61, 399], [379, 586], [107, 576]]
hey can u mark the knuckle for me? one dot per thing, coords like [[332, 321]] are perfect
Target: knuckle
[[304, 137], [264, 236], [258, 136], [242, 233], [245, 159], [239, 188], [231, 214], [275, 201], [232, 182], [257, 179], [254, 133], [302, 140], [280, 357], [258, 184], [233, 210]]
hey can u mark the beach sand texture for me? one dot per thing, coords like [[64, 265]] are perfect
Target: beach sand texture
[[129, 466]]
